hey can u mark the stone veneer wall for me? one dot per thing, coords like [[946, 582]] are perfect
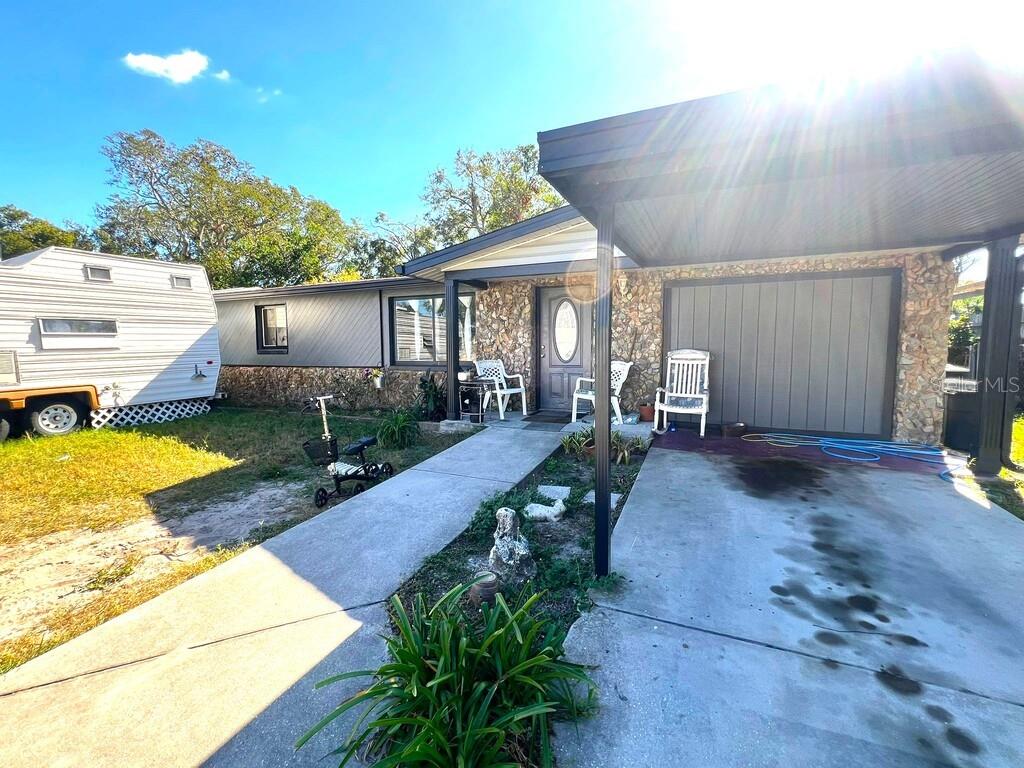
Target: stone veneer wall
[[286, 386], [505, 325]]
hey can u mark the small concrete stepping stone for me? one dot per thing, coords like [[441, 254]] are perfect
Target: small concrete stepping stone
[[554, 492], [590, 498]]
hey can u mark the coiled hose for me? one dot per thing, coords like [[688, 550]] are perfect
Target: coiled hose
[[864, 451]]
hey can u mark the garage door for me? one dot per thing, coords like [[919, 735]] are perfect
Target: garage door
[[814, 354]]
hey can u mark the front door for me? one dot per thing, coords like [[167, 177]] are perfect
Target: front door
[[566, 340]]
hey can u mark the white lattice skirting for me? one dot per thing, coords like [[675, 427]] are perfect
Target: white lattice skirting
[[149, 413]]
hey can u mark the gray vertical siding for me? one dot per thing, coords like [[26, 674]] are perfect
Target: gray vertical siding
[[331, 329], [814, 353]]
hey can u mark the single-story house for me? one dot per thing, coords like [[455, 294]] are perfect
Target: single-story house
[[850, 344], [288, 343], [806, 243]]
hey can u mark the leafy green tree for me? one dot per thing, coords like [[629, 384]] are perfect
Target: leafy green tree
[[201, 204], [378, 251], [961, 332], [21, 232], [486, 192]]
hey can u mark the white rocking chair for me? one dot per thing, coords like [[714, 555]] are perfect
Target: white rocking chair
[[620, 370], [494, 370], [686, 388]]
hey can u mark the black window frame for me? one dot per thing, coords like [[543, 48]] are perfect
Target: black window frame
[[261, 347], [423, 365]]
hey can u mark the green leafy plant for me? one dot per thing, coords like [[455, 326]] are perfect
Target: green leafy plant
[[623, 448], [432, 398], [399, 429], [463, 690], [580, 444], [577, 443]]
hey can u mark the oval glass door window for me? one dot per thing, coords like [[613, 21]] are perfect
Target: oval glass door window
[[566, 330]]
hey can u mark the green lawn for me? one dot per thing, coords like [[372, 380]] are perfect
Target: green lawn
[[1007, 490], [98, 478]]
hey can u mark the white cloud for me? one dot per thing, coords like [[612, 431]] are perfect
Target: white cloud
[[223, 75], [263, 95], [179, 68]]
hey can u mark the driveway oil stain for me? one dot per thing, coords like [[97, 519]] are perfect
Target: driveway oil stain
[[892, 677], [962, 741], [774, 476], [829, 638], [941, 714], [864, 603]]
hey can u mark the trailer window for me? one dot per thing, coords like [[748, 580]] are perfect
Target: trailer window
[[77, 326], [98, 274], [272, 329], [178, 281]]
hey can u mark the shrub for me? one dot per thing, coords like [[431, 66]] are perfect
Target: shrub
[[399, 429], [622, 447], [576, 443], [463, 690], [432, 398]]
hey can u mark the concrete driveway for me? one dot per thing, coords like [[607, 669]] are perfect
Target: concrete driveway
[[784, 613]]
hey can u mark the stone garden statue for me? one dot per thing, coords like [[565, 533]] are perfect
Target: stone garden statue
[[510, 555]]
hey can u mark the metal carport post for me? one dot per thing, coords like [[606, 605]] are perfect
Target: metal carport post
[[603, 390], [999, 355], [451, 323]]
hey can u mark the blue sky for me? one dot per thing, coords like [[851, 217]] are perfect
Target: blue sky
[[356, 103]]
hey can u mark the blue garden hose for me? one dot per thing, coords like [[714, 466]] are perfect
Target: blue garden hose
[[863, 451]]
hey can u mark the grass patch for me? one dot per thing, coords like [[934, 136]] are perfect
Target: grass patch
[[1007, 488], [563, 551], [100, 478]]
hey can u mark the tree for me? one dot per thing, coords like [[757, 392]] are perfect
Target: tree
[[21, 232], [961, 328], [486, 192], [378, 251], [201, 204]]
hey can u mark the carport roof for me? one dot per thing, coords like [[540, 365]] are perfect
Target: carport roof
[[933, 157]]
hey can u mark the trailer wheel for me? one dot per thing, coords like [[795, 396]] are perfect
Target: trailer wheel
[[5, 429], [56, 417], [359, 488], [386, 470], [320, 497]]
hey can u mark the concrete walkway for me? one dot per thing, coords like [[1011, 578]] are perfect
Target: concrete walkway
[[778, 613], [220, 670]]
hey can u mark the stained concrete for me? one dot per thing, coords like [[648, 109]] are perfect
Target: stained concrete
[[788, 613], [219, 670]]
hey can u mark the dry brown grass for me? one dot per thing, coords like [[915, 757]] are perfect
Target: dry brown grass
[[61, 626]]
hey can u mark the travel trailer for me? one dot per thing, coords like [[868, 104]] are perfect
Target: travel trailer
[[100, 339]]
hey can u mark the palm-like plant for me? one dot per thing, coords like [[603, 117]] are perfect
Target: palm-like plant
[[399, 429], [464, 690]]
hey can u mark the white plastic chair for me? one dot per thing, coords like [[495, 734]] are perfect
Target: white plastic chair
[[494, 370], [686, 387], [620, 370]]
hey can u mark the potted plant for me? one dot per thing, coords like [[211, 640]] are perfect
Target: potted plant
[[646, 411], [374, 375]]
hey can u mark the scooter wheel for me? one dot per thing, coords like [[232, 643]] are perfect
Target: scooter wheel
[[386, 470], [320, 497], [358, 488]]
